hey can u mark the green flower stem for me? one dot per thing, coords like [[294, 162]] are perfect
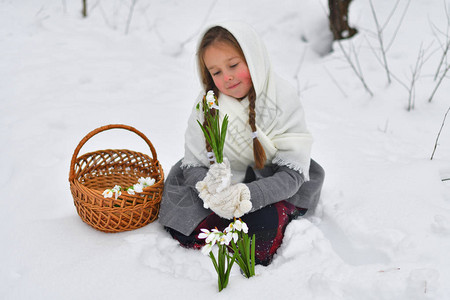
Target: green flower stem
[[214, 132], [223, 266]]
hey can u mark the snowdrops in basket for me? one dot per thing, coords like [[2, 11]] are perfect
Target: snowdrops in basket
[[136, 188], [234, 246]]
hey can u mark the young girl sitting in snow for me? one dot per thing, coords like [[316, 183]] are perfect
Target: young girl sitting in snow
[[268, 174]]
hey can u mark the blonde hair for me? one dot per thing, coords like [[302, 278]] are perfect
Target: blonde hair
[[219, 34]]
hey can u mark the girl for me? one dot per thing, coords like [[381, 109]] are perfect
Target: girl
[[271, 177]]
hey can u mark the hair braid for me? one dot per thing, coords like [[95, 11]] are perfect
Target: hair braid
[[258, 150]]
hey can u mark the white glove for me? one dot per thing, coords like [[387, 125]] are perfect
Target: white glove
[[218, 177], [234, 201]]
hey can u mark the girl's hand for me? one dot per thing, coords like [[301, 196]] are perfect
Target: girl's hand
[[233, 202], [218, 177]]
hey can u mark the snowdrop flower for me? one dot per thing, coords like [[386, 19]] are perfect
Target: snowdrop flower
[[130, 191], [210, 96], [204, 233], [225, 239], [240, 226], [211, 100], [210, 236], [231, 236], [107, 193], [213, 236], [117, 191], [147, 181], [207, 249], [138, 188]]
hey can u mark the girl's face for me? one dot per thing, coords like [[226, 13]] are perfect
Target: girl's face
[[228, 70]]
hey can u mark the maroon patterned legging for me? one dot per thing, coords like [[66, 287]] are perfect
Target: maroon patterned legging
[[268, 224]]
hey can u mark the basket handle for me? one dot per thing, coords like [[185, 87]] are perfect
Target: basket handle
[[101, 129]]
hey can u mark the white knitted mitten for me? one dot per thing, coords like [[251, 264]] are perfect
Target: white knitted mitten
[[203, 193], [233, 202], [218, 177]]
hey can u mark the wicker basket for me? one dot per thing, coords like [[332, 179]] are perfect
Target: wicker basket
[[92, 173]]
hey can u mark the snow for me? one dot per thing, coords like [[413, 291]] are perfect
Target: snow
[[382, 228]]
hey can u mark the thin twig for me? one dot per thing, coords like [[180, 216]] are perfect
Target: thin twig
[[388, 19], [105, 17], [84, 9], [414, 77], [335, 82], [354, 68], [447, 44], [398, 27], [130, 16], [437, 138], [380, 41], [439, 82]]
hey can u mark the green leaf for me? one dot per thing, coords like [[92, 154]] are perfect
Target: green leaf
[[252, 267], [211, 255]]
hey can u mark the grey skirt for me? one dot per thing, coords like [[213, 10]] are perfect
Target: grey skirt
[[182, 209]]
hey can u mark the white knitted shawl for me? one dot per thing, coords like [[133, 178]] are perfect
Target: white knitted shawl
[[280, 119]]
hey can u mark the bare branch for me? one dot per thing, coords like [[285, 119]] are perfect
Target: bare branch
[[398, 26], [414, 77], [437, 138], [130, 15], [354, 68], [335, 82], [447, 45], [390, 15], [439, 82], [380, 41], [84, 9]]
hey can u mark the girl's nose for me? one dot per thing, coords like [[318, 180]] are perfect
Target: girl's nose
[[228, 77]]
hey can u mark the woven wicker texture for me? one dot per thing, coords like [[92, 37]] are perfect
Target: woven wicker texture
[[92, 173]]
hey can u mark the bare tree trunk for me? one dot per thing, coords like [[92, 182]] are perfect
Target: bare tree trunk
[[84, 10], [339, 19]]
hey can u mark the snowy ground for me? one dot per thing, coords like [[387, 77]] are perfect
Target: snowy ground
[[382, 230]]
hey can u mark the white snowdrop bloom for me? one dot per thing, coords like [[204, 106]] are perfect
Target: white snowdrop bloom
[[230, 236], [138, 188], [235, 236], [130, 191], [207, 249], [238, 225], [213, 104], [210, 96], [117, 188], [241, 226], [108, 193], [229, 228], [204, 233], [211, 100], [117, 194], [244, 227], [141, 181], [225, 239], [149, 181]]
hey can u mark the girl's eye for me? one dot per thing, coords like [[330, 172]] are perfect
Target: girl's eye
[[233, 66], [216, 73]]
